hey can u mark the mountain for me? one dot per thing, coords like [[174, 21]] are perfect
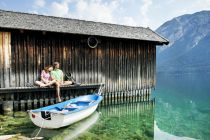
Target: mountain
[[189, 47]]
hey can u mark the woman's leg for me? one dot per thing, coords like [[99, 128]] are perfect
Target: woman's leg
[[39, 83], [51, 83]]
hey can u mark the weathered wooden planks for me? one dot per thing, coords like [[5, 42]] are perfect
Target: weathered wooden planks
[[121, 64], [5, 59]]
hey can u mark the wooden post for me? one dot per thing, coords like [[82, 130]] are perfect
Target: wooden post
[[52, 101], [41, 102], [67, 98], [7, 106], [29, 104], [22, 105], [35, 103], [46, 102]]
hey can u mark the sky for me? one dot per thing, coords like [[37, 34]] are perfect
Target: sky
[[144, 13]]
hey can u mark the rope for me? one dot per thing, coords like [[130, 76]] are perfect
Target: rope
[[40, 129], [43, 119]]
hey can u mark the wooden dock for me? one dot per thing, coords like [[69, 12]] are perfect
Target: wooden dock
[[24, 98], [16, 100]]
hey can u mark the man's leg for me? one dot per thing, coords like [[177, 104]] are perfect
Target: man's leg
[[57, 84]]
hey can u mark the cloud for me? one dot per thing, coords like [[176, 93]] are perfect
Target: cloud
[[204, 5], [39, 3], [60, 9], [96, 10], [144, 11], [92, 10], [128, 21], [113, 11]]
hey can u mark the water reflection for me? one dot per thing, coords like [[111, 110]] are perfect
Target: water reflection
[[182, 105], [70, 132], [122, 121]]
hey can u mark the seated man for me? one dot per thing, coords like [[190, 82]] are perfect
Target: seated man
[[57, 75]]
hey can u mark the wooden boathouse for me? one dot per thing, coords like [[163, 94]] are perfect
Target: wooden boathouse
[[121, 57]]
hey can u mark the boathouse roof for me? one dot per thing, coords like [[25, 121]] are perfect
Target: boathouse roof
[[26, 21]]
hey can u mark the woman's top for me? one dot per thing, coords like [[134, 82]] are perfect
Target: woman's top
[[45, 75]]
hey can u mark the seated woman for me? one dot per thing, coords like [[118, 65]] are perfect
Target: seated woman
[[46, 79]]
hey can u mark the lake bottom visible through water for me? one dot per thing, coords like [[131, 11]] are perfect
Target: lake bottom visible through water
[[181, 112], [125, 121]]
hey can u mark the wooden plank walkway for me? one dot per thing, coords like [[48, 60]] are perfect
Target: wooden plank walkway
[[36, 88]]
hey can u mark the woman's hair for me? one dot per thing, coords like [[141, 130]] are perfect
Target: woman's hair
[[46, 69]]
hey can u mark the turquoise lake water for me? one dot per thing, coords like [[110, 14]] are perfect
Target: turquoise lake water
[[181, 111], [183, 106]]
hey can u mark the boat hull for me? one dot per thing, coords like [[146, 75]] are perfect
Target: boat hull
[[59, 119]]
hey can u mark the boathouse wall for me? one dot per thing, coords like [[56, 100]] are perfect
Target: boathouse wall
[[122, 64]]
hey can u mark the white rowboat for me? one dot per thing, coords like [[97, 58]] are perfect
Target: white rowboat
[[65, 113]]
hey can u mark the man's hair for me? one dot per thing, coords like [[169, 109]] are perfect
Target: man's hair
[[55, 63]]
